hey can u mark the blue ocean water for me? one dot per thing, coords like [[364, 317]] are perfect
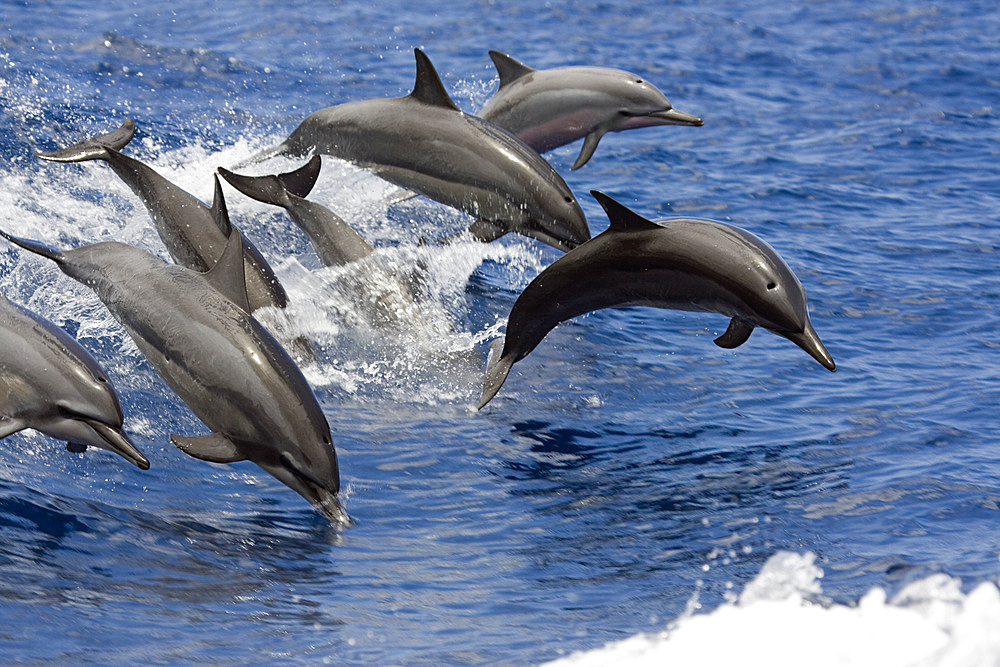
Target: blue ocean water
[[629, 465]]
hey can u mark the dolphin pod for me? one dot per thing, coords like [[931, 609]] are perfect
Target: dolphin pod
[[552, 107], [197, 332], [682, 264], [50, 383], [424, 143], [193, 321], [189, 229]]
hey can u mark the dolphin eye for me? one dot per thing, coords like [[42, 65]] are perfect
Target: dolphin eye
[[101, 378], [638, 80], [569, 200], [771, 285]]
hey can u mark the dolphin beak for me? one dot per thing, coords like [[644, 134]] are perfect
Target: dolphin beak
[[676, 117], [810, 342], [118, 443]]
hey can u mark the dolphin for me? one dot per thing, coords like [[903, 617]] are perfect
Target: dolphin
[[189, 229], [682, 264], [424, 143], [389, 299], [50, 383], [197, 332], [552, 107]]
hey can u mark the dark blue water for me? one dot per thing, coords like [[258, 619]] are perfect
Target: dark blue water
[[628, 463]]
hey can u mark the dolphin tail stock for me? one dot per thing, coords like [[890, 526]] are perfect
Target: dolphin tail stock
[[274, 189], [95, 148], [36, 247], [497, 367]]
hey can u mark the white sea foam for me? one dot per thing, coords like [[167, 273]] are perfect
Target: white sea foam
[[780, 620]]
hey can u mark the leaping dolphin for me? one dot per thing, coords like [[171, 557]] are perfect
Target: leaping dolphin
[[189, 229], [424, 143], [197, 332], [681, 263], [552, 107], [50, 383]]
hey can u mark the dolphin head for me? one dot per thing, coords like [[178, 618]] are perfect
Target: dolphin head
[[777, 301], [640, 104], [556, 218], [312, 474]]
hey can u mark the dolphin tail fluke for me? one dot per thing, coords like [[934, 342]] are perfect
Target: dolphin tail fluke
[[95, 148], [36, 247], [274, 189], [497, 368], [589, 146]]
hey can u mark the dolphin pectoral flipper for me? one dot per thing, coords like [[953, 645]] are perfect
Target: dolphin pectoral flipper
[[399, 196], [9, 426], [738, 332], [589, 146], [497, 368], [486, 230], [214, 448], [94, 148]]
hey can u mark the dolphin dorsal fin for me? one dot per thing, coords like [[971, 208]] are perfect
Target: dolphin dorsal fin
[[509, 69], [228, 276], [219, 211], [623, 219], [428, 87], [213, 447]]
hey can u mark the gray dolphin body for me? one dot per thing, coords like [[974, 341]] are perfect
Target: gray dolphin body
[[552, 107], [389, 299], [50, 383], [197, 332], [682, 264], [189, 229], [424, 143]]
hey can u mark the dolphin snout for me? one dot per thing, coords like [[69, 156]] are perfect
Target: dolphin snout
[[809, 341], [676, 117], [117, 442]]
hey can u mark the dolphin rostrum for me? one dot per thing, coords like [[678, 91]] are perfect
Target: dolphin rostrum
[[197, 332], [190, 230], [424, 143], [551, 107], [388, 298], [682, 264], [50, 383]]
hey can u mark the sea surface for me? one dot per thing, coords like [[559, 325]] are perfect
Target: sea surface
[[631, 480]]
